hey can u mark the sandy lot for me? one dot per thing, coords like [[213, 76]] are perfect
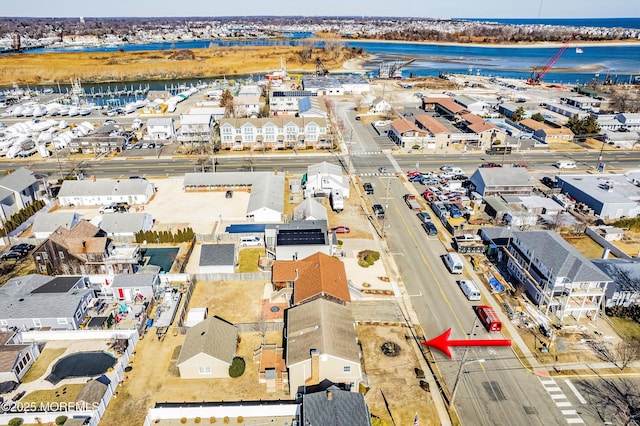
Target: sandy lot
[[233, 301], [393, 378]]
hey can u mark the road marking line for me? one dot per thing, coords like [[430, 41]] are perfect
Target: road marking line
[[563, 404], [558, 396], [575, 420], [548, 382], [553, 389], [576, 392], [569, 412]]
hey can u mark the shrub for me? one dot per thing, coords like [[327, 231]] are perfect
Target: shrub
[[183, 420], [370, 260], [240, 419], [363, 263], [60, 420], [16, 421], [197, 420], [237, 367]]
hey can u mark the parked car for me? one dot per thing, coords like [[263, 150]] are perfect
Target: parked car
[[549, 182], [15, 255], [341, 230], [525, 165], [378, 210], [368, 188], [430, 228], [446, 168], [490, 165], [22, 247], [424, 217]]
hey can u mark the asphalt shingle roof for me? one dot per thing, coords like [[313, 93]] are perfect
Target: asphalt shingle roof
[[214, 337], [217, 254], [335, 407]]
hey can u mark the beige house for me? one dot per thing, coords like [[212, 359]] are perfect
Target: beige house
[[208, 349], [546, 133], [322, 345]]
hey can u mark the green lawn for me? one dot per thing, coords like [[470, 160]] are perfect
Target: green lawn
[[627, 328], [248, 259]]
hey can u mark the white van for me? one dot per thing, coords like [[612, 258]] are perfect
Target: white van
[[454, 263], [566, 165], [250, 241], [470, 289]]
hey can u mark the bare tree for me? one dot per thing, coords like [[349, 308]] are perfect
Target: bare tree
[[613, 400], [626, 353]]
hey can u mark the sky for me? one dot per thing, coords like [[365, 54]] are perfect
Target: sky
[[423, 8]]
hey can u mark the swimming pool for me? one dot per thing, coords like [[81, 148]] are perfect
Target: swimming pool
[[162, 257], [81, 364]]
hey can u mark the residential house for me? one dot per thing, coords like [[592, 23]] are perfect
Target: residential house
[[275, 133], [312, 107], [567, 110], [15, 359], [102, 192], [380, 106], [103, 140], [161, 129], [208, 350], [624, 290], [218, 258], [321, 345], [557, 278], [322, 178], [585, 103], [502, 181], [299, 239], [247, 101], [314, 277], [217, 112], [134, 288], [266, 199], [125, 224], [45, 223], [546, 133], [335, 407], [18, 189], [36, 301], [310, 209], [630, 121], [196, 129], [93, 391], [287, 102], [84, 250], [405, 133]]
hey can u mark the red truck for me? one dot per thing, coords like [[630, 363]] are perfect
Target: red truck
[[412, 202], [489, 318]]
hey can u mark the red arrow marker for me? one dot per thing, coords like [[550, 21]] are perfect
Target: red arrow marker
[[442, 343]]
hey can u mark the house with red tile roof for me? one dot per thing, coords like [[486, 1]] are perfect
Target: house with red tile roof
[[405, 133], [316, 276], [488, 134]]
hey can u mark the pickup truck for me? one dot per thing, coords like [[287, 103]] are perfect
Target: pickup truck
[[412, 202]]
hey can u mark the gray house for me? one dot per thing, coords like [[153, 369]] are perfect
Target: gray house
[[208, 350], [625, 288], [18, 189], [39, 301], [502, 181], [125, 224], [299, 239], [335, 407], [45, 223], [15, 359], [557, 278]]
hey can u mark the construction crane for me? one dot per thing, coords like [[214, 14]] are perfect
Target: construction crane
[[321, 70], [535, 77]]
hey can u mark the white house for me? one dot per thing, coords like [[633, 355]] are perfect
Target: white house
[[218, 258], [321, 178], [102, 192], [380, 106], [310, 209], [162, 129], [18, 189], [15, 358], [195, 128], [470, 104]]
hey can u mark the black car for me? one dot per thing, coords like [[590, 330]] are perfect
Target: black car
[[23, 247], [551, 183], [368, 188], [15, 255], [430, 228], [379, 211]]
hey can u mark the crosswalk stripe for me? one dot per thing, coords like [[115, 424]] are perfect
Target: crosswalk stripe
[[558, 396], [569, 412], [575, 420], [563, 404], [548, 382], [553, 389]]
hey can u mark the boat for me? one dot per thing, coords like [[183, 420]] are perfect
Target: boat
[[578, 50], [84, 111], [73, 111], [130, 107], [17, 111], [64, 110]]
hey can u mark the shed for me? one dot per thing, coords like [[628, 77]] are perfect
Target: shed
[[218, 258]]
